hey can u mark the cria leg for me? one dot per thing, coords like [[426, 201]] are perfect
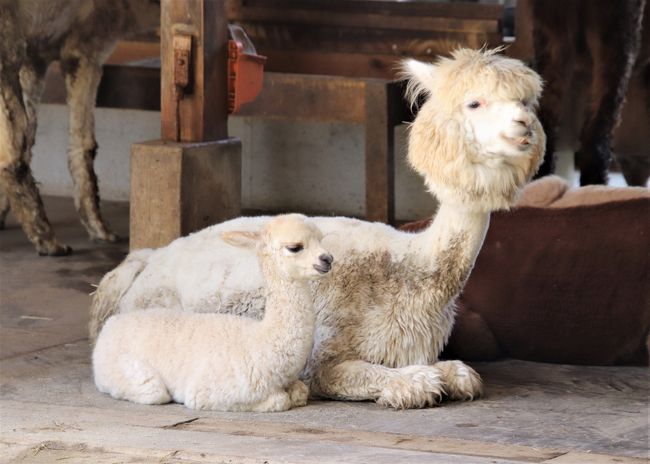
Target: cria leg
[[400, 388], [133, 380], [276, 402], [81, 83], [298, 393], [460, 381]]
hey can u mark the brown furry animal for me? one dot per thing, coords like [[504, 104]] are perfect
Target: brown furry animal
[[81, 34], [585, 51]]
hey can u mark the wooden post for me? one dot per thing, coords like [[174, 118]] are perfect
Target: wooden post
[[192, 177], [379, 152], [203, 110]]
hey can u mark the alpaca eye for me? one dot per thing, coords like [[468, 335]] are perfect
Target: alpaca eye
[[473, 105], [295, 248]]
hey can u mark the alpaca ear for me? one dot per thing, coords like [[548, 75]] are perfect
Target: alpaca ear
[[420, 77], [241, 239]]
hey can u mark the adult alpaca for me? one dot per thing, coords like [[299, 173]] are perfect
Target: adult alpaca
[[81, 34], [388, 308], [585, 51]]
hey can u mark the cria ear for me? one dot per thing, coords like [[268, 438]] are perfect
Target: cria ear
[[242, 239], [420, 77]]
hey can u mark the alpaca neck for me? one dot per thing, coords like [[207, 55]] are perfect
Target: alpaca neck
[[454, 225], [447, 249], [288, 323]]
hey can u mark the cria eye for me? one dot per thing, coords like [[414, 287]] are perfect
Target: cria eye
[[295, 248], [473, 105]]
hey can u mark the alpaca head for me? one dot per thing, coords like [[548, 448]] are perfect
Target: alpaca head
[[476, 139], [288, 245]]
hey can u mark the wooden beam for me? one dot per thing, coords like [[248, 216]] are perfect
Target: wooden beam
[[202, 112], [305, 97], [335, 18], [379, 153], [468, 10]]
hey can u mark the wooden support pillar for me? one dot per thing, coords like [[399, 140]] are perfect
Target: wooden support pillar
[[380, 152], [192, 177]]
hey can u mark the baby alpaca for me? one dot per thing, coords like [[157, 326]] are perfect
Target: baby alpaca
[[220, 361]]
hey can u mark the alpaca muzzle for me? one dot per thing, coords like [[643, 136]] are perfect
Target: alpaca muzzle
[[324, 263]]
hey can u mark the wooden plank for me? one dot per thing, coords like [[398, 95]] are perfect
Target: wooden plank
[[128, 51], [322, 98], [90, 431], [379, 154], [203, 110], [132, 87], [269, 36], [470, 10], [154, 434], [177, 189], [395, 21]]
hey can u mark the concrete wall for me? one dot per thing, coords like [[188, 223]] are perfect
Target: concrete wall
[[286, 166]]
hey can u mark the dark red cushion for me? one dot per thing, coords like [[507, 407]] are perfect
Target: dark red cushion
[[566, 285]]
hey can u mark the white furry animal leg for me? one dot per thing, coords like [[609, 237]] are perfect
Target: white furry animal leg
[[399, 388], [82, 76], [298, 393], [276, 402], [133, 380], [460, 381]]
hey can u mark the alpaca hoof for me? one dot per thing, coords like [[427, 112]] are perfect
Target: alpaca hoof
[[105, 237], [298, 393], [53, 249], [461, 381], [416, 387]]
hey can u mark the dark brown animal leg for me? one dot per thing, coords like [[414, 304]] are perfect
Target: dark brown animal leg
[[554, 38], [613, 41], [4, 208], [82, 78], [15, 174]]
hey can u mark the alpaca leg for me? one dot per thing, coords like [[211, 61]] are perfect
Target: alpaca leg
[[399, 388], [16, 179], [132, 379], [298, 393], [613, 40], [204, 398], [460, 381], [276, 402], [82, 80], [4, 208], [554, 46]]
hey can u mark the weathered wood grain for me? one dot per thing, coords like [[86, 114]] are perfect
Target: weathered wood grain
[[177, 189]]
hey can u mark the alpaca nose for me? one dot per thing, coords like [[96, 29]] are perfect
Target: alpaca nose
[[326, 259]]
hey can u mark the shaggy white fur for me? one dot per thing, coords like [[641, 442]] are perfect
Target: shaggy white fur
[[220, 361], [387, 311]]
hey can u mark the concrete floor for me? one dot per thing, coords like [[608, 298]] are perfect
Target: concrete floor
[[51, 412]]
